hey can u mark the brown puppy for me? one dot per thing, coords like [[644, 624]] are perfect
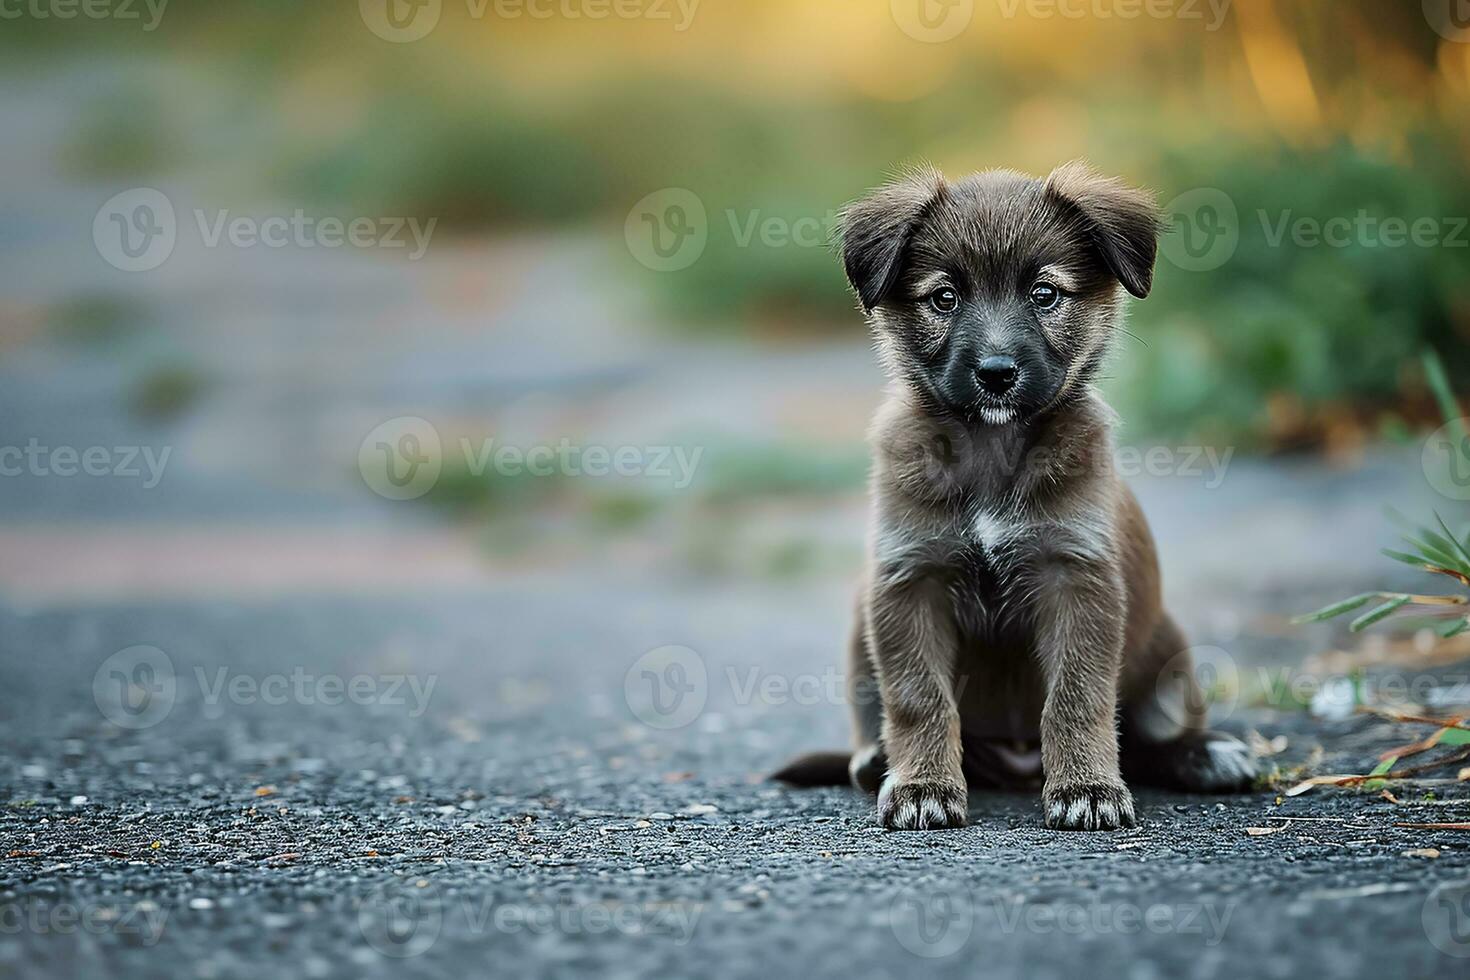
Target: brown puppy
[[1011, 599]]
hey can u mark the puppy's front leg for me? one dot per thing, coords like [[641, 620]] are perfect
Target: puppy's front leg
[[912, 630], [1081, 616]]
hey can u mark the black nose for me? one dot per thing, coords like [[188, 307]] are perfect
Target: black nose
[[996, 374]]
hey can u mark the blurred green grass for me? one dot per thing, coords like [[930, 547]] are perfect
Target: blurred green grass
[[1283, 346]]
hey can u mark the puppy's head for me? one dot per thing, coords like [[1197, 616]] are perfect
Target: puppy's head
[[994, 297]]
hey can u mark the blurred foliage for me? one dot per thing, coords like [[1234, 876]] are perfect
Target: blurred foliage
[[96, 318], [166, 393], [1289, 338], [781, 110], [467, 491], [1437, 549], [125, 132], [751, 471]]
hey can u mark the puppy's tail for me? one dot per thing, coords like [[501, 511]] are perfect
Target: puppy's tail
[[816, 769]]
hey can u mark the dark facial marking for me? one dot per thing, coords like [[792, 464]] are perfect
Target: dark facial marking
[[994, 296]]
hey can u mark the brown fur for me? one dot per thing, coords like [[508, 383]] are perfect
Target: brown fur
[[1012, 596]]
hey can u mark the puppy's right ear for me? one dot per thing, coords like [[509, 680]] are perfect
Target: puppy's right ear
[[875, 230]]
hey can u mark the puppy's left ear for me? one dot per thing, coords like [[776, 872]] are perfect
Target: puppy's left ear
[[875, 231], [1124, 222]]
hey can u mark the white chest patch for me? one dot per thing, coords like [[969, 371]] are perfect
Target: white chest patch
[[994, 532]]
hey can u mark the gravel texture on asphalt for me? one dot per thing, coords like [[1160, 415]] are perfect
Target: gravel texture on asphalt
[[467, 784]]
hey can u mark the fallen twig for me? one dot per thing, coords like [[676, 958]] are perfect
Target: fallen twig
[[1450, 722], [1435, 826], [1357, 779], [1414, 748]]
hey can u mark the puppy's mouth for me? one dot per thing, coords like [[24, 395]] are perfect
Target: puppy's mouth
[[1019, 405], [997, 414], [983, 408], [969, 403], [997, 407]]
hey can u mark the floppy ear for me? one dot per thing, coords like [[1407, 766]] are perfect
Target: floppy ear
[[1124, 221], [874, 231]]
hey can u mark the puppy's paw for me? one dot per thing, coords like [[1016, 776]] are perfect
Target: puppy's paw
[[922, 806], [1196, 762], [868, 767], [1227, 766], [1093, 806]]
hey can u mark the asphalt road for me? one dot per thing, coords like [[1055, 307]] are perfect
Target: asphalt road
[[469, 784]]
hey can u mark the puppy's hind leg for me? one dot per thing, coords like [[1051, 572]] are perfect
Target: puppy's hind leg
[[869, 764], [1164, 741]]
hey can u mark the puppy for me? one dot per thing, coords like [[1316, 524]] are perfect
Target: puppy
[[1010, 628]]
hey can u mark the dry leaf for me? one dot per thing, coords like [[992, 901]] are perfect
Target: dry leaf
[[1389, 796], [265, 791], [1263, 831], [1422, 852], [1456, 724], [1262, 747], [1341, 779]]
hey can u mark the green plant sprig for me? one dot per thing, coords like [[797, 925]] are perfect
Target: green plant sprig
[[1440, 552]]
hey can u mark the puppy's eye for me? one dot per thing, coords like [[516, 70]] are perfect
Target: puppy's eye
[[1045, 296], [944, 300]]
